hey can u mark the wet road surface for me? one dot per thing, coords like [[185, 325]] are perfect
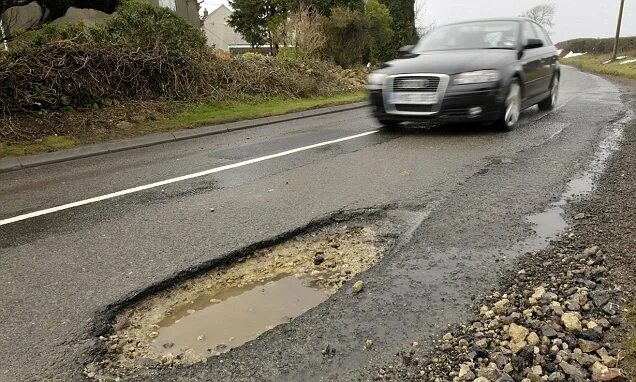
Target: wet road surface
[[460, 194]]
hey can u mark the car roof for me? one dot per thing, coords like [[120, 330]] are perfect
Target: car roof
[[513, 19]]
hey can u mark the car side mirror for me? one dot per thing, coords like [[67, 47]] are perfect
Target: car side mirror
[[533, 43], [405, 50]]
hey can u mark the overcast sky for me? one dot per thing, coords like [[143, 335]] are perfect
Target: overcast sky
[[574, 18]]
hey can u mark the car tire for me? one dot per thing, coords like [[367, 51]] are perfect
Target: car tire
[[512, 107], [389, 123], [551, 102]]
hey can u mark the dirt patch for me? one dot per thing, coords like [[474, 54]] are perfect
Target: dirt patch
[[294, 276], [108, 120]]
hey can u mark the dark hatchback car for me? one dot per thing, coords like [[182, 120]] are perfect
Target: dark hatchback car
[[481, 71]]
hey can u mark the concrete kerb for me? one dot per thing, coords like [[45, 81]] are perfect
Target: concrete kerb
[[9, 164], [16, 163]]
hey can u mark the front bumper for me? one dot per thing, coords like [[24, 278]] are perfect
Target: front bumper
[[460, 103]]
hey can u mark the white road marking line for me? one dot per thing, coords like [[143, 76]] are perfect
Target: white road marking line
[[178, 179]]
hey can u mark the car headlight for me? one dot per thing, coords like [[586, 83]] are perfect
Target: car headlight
[[376, 79], [477, 77]]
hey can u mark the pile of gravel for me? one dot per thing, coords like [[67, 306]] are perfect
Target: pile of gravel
[[547, 322]]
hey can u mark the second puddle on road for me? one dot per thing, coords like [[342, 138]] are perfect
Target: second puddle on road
[[550, 223], [214, 324]]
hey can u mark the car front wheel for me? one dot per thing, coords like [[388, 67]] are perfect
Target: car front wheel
[[388, 123], [512, 109], [550, 102]]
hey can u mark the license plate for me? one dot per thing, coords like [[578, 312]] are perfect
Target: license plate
[[414, 98]]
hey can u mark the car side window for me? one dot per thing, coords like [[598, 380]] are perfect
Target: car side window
[[546, 36], [529, 32], [541, 33]]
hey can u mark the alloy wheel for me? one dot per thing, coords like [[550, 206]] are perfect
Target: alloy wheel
[[555, 90], [513, 105]]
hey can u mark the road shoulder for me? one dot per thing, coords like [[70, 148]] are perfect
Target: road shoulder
[[565, 312], [12, 163]]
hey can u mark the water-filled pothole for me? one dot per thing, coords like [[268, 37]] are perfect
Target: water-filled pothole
[[550, 223], [214, 324], [229, 306]]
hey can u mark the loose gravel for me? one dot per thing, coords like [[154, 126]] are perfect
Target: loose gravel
[[561, 313]]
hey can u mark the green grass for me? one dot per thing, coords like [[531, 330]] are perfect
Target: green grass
[[193, 116], [594, 64], [47, 144], [217, 113]]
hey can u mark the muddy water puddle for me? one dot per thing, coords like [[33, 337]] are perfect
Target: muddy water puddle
[[226, 307], [214, 324], [550, 223]]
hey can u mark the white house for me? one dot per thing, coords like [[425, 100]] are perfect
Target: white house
[[220, 34]]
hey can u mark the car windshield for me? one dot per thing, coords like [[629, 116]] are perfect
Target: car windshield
[[481, 35]]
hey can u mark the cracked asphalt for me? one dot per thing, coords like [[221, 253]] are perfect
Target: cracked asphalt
[[455, 199]]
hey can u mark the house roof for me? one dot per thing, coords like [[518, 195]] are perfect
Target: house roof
[[222, 6]]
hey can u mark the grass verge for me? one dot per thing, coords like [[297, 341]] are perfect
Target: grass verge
[[47, 144], [214, 114], [594, 64], [191, 116]]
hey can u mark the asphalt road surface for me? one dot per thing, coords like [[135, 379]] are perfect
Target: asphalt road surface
[[461, 196]]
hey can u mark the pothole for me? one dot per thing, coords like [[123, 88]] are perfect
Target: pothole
[[229, 306]]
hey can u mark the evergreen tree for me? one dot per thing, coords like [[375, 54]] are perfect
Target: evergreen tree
[[325, 7], [256, 20], [403, 13], [379, 19]]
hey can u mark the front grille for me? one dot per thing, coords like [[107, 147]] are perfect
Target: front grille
[[416, 84], [415, 108]]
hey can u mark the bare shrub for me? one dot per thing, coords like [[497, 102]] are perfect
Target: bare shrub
[[305, 31], [77, 65]]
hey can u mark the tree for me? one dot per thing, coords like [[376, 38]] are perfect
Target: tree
[[304, 30], [422, 29], [325, 7], [257, 20], [403, 13], [543, 14], [379, 23], [348, 36]]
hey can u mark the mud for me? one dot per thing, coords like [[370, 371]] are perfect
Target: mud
[[230, 306], [214, 324]]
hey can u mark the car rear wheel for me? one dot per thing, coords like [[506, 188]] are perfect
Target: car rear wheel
[[550, 102], [512, 109]]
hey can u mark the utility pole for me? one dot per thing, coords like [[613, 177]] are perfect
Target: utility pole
[[618, 30]]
